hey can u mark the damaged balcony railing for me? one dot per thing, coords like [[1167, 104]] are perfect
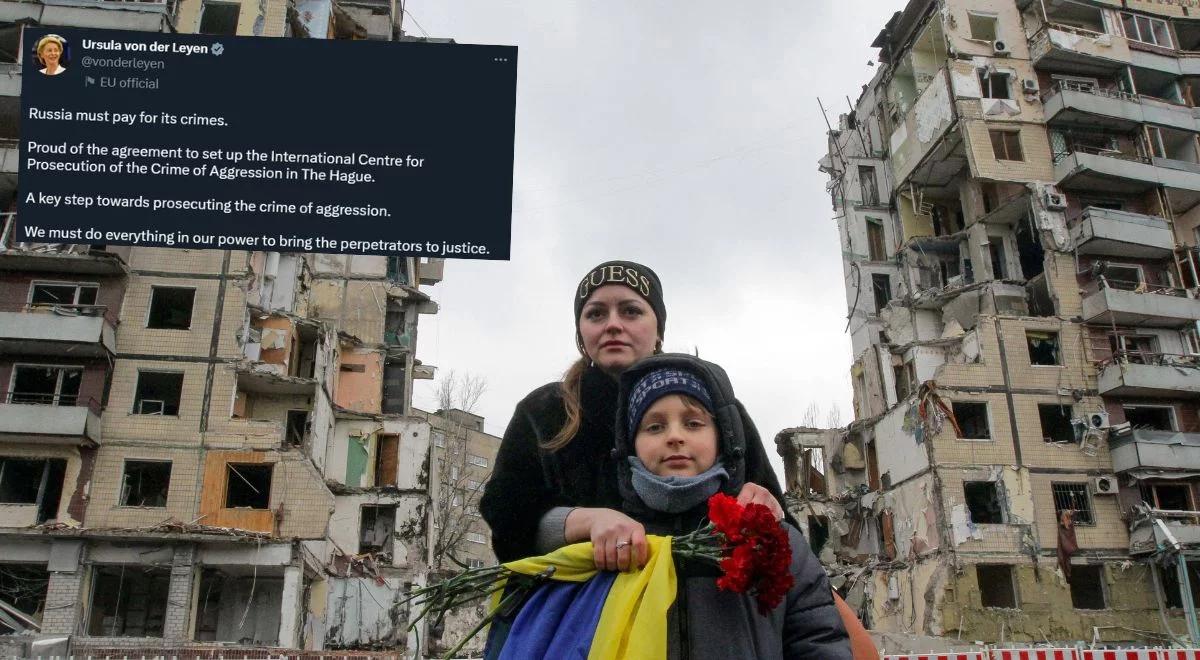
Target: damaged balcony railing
[[51, 399], [1063, 145], [58, 309], [1155, 359], [1139, 287], [1087, 87]]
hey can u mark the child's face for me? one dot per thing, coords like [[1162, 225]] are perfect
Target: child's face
[[676, 438]]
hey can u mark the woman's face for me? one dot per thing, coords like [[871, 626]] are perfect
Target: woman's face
[[618, 328], [50, 53]]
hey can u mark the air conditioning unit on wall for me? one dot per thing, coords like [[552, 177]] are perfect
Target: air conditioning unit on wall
[[1030, 86], [1000, 47], [1097, 420], [1106, 485], [1053, 200]]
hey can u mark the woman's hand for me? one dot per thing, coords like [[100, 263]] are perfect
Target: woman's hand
[[755, 494], [618, 541]]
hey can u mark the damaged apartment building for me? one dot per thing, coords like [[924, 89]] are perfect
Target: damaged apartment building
[[202, 446], [1017, 192]]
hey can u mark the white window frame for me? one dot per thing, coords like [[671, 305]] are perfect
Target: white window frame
[[995, 18], [1138, 267], [1138, 29], [12, 377], [1174, 416], [74, 300], [138, 380], [476, 537], [986, 93], [475, 459]]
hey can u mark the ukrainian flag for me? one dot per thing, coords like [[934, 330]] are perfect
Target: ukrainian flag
[[584, 613]]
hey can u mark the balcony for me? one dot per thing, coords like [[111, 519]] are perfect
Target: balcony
[[1087, 105], [1147, 535], [1135, 304], [1155, 450], [47, 419], [1100, 169], [80, 330], [1150, 375], [1070, 49], [141, 15], [58, 258], [1122, 234]]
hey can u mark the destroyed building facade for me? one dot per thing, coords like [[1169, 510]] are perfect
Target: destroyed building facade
[[1017, 192], [205, 446]]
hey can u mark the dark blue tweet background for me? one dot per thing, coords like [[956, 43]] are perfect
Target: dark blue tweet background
[[224, 142]]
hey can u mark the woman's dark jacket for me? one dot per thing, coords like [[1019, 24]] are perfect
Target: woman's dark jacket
[[706, 622], [528, 481]]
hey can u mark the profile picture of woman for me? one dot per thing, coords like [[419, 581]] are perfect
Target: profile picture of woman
[[50, 52]]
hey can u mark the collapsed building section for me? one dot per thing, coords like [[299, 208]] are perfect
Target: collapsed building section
[[1017, 199]]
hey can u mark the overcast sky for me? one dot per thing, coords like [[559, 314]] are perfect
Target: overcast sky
[[681, 135]]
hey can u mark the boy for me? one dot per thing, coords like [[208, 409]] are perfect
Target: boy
[[680, 439]]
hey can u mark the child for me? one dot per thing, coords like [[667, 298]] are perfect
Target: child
[[679, 439]]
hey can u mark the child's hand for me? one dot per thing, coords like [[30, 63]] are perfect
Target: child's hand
[[755, 494], [618, 541]]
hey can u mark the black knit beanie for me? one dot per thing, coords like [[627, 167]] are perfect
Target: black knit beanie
[[627, 273]]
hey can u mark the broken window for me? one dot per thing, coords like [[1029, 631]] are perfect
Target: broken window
[[1151, 418], [1073, 498], [23, 586], [45, 385], [903, 375], [985, 501], [129, 600], [1056, 422], [874, 482], [994, 85], [225, 597], [1170, 583], [972, 419], [394, 398], [297, 427], [1006, 145], [881, 289], [158, 393], [387, 459], [397, 270], [248, 485], [983, 26], [170, 308], [867, 185], [1087, 587], [63, 293], [999, 258], [1138, 349], [219, 17], [1043, 348], [996, 585], [33, 481], [1122, 276], [1167, 496], [818, 533], [1153, 31], [145, 483], [377, 526], [876, 250]]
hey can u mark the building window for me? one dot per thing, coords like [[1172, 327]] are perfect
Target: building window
[[1073, 498], [1153, 31], [1006, 145], [1123, 276], [170, 308], [999, 258], [972, 420], [1056, 422], [63, 293], [474, 563], [1167, 496], [439, 439], [128, 601], [994, 85], [248, 485], [985, 501], [145, 483], [296, 428], [219, 17], [474, 485], [868, 188], [1170, 582], [376, 528], [45, 385], [996, 585], [476, 537], [1087, 587], [158, 393], [876, 250], [480, 461], [881, 289], [1150, 418], [983, 26], [1043, 348]]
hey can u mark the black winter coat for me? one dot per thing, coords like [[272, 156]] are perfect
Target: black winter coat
[[527, 481]]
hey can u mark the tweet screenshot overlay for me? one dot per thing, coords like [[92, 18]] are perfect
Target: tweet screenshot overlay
[[304, 145]]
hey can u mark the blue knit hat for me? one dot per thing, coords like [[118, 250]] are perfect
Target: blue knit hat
[[659, 383]]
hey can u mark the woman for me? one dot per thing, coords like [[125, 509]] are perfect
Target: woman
[[555, 476], [49, 52]]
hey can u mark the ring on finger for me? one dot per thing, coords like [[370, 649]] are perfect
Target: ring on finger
[[622, 544]]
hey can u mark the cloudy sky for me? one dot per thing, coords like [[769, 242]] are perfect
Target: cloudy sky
[[681, 135]]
